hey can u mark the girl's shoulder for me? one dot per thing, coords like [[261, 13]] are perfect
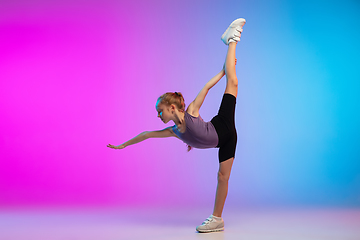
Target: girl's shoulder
[[190, 110]]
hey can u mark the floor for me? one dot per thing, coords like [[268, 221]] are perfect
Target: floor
[[176, 224]]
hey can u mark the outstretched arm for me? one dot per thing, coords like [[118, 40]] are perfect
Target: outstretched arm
[[167, 132]]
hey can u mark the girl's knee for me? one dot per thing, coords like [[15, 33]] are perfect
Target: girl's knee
[[225, 170], [223, 177], [233, 81]]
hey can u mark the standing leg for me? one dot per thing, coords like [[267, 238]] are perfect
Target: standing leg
[[222, 186]]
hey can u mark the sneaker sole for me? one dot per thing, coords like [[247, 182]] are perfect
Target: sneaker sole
[[211, 230], [240, 22]]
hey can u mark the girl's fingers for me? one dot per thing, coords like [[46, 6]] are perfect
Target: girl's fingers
[[115, 147]]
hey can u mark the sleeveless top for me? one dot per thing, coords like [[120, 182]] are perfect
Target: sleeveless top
[[198, 133]]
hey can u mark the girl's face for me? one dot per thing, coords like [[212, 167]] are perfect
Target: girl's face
[[164, 112]]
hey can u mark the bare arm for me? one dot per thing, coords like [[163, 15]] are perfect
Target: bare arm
[[167, 132], [195, 105]]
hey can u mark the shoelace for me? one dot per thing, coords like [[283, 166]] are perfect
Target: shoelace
[[208, 220]]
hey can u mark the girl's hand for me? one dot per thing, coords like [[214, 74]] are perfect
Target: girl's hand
[[189, 148], [116, 147]]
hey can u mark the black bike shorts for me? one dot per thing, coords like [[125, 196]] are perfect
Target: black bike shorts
[[224, 123]]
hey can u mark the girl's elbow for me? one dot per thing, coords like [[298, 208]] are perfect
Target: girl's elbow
[[208, 86]]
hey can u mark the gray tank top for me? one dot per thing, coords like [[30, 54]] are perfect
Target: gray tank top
[[198, 133]]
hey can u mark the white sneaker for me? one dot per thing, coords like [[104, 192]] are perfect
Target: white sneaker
[[211, 224], [233, 32]]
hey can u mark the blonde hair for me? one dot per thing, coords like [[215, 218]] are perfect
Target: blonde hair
[[175, 98]]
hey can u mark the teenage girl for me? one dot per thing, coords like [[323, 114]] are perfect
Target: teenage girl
[[220, 132]]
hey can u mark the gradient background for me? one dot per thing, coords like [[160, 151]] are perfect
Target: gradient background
[[77, 75]]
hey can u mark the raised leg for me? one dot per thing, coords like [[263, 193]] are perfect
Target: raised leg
[[231, 78], [222, 186]]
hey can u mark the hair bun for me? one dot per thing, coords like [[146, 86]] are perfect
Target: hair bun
[[173, 98]]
